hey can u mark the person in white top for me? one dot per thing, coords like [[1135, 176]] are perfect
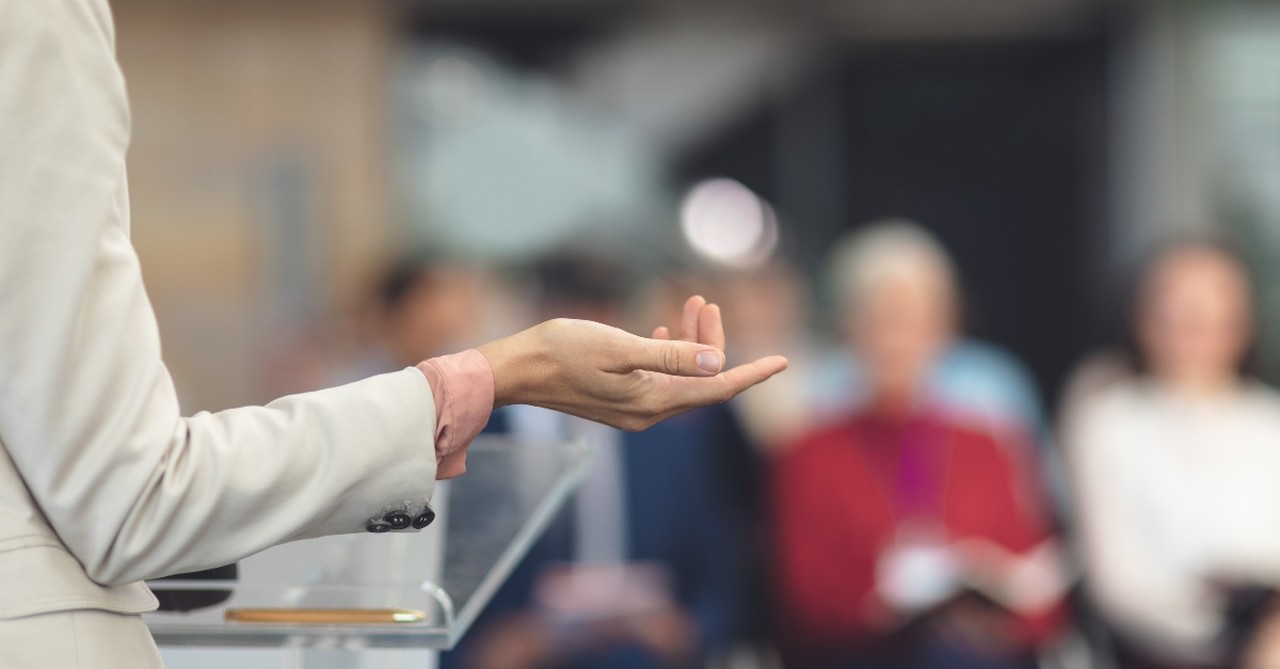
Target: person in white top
[[1177, 469]]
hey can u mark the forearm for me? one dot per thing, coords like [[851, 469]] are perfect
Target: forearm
[[229, 484]]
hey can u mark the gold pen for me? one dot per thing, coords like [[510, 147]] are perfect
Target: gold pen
[[325, 616]]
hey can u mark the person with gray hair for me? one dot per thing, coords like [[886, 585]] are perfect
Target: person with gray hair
[[978, 379], [897, 298], [887, 248], [910, 533]]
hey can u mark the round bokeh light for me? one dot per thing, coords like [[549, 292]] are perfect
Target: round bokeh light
[[727, 223]]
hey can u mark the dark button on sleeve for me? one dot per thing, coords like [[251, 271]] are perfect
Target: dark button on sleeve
[[378, 526], [424, 519], [398, 520]]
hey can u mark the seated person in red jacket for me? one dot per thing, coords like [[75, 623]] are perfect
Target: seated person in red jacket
[[904, 535]]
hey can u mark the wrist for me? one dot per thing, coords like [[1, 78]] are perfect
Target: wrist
[[512, 362]]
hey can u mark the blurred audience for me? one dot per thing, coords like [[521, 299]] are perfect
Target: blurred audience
[[1175, 468], [652, 565], [422, 305], [909, 533]]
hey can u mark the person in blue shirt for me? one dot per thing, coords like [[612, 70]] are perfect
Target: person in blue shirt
[[664, 525]]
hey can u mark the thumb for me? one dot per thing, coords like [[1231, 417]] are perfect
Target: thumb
[[679, 358]]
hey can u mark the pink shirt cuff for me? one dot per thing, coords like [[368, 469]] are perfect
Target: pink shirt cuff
[[462, 384]]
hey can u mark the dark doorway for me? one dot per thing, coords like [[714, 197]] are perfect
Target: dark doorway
[[1000, 149]]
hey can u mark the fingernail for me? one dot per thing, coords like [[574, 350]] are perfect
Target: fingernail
[[709, 361]]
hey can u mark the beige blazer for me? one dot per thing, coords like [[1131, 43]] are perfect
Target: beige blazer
[[103, 482]]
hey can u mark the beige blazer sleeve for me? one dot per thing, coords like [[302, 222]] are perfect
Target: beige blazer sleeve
[[88, 415]]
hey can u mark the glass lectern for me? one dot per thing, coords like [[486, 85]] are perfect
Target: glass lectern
[[439, 579]]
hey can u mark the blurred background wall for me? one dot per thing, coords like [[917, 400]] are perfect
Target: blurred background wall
[[259, 178], [284, 150]]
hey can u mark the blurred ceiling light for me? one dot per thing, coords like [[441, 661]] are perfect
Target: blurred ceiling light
[[727, 223], [453, 87]]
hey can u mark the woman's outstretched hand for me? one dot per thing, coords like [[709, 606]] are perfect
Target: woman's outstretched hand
[[607, 375]]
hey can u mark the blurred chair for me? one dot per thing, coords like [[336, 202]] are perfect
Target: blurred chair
[[976, 379]]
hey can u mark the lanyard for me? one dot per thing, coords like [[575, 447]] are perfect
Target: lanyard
[[910, 467]]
